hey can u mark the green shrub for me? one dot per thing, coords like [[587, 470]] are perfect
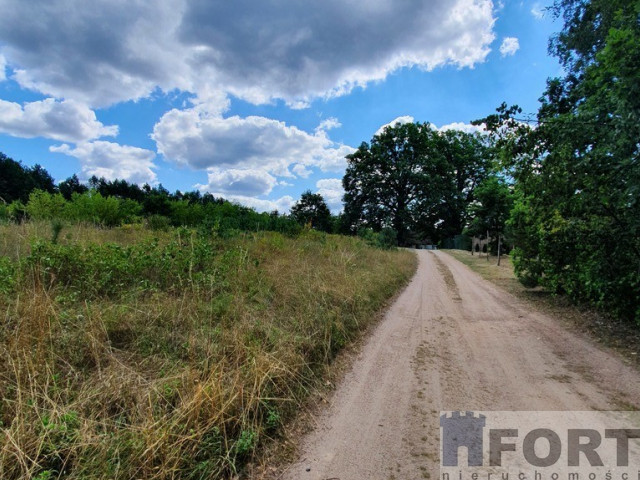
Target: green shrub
[[387, 238], [44, 205], [158, 222]]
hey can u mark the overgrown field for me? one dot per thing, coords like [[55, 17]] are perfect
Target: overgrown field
[[127, 353]]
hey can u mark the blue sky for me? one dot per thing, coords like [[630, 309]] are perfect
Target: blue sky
[[253, 100]]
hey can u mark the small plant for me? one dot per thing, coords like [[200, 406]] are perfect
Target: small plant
[[273, 419], [56, 228], [7, 275], [246, 442]]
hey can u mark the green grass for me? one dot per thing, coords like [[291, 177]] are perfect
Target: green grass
[[129, 353]]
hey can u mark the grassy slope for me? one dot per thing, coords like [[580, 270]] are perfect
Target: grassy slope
[[625, 338], [126, 353]]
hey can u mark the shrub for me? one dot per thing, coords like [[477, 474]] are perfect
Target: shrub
[[44, 205], [158, 222]]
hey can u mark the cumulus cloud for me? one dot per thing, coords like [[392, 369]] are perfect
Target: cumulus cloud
[[3, 68], [394, 122], [509, 46], [195, 138], [282, 204], [332, 192], [463, 127], [239, 182], [301, 171], [112, 160], [329, 124], [67, 121], [99, 53], [116, 50]]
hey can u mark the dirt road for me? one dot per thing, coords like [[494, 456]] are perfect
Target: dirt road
[[452, 341]]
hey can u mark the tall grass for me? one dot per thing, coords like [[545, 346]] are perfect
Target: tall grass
[[171, 354]]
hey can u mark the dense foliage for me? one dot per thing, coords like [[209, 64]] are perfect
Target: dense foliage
[[312, 210], [576, 221], [18, 181], [491, 208], [414, 179], [31, 193]]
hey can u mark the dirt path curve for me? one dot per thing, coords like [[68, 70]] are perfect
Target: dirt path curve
[[452, 341]]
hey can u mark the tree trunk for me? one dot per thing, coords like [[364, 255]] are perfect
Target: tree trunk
[[499, 245], [488, 245]]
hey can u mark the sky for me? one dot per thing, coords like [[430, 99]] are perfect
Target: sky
[[255, 101]]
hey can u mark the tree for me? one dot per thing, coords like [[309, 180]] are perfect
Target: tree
[[575, 224], [312, 209], [413, 179], [14, 181], [17, 181], [491, 209], [467, 161], [70, 186]]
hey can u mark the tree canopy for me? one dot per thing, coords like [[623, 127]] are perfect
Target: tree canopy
[[576, 220], [415, 180], [312, 210]]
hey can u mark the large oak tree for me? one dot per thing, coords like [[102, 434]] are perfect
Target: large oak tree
[[415, 180]]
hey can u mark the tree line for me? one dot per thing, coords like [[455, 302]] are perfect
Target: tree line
[[561, 187]]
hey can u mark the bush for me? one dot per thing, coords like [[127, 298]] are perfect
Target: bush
[[386, 239], [44, 205], [158, 222]]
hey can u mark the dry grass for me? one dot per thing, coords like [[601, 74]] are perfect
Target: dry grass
[[622, 336], [159, 382]]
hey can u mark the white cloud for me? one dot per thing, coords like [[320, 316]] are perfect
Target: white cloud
[[397, 121], [301, 171], [282, 204], [195, 138], [66, 121], [463, 127], [537, 11], [112, 160], [329, 124], [332, 192], [238, 182], [510, 45], [3, 68], [115, 50]]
